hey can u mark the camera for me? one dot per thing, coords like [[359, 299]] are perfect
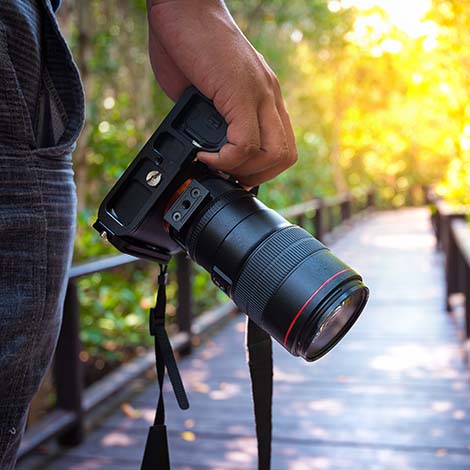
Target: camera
[[284, 279]]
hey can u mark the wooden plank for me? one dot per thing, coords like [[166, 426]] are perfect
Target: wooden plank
[[398, 392], [240, 453], [397, 414]]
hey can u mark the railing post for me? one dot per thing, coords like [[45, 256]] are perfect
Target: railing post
[[450, 264], [318, 221], [452, 259], [467, 300], [184, 308], [68, 373], [345, 208], [352, 205], [331, 218], [426, 194], [436, 225], [443, 229], [370, 198]]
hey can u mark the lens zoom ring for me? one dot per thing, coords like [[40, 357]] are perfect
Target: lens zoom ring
[[268, 266], [214, 207]]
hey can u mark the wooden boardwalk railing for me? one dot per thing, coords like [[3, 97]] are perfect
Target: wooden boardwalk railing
[[320, 216], [459, 262], [393, 395], [453, 238]]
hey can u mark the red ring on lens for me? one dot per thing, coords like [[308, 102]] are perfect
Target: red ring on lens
[[297, 315]]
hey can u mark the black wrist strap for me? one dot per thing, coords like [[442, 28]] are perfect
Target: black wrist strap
[[260, 361], [156, 455]]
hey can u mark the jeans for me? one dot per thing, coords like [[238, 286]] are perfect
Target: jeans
[[37, 207]]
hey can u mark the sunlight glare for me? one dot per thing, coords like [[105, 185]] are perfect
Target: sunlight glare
[[109, 102], [404, 14], [334, 6], [379, 18], [188, 436], [296, 36], [391, 45]]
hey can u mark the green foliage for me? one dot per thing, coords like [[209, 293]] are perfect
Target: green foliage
[[456, 187], [114, 311]]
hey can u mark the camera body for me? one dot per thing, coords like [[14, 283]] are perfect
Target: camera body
[[139, 210]]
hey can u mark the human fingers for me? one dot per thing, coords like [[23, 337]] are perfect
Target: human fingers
[[258, 178], [282, 110], [272, 139], [243, 136], [286, 161], [284, 115]]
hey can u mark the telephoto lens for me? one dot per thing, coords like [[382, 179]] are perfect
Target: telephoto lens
[[285, 280]]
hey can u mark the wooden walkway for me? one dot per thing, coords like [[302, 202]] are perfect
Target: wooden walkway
[[393, 395]]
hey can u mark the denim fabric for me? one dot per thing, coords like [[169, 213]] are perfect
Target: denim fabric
[[37, 204]]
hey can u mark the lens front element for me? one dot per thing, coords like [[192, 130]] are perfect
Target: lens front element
[[335, 322]]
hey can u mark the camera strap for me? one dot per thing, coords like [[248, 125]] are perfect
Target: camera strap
[[260, 362], [157, 455]]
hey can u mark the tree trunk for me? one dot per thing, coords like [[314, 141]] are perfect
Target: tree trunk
[[335, 154], [85, 33]]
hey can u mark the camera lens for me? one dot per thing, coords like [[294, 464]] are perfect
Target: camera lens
[[285, 280], [334, 323]]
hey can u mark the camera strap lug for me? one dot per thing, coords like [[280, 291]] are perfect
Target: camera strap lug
[[156, 455]]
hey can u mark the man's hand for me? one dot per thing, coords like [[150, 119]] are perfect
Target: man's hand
[[197, 42]]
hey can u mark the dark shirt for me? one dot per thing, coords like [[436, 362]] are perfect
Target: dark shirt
[[21, 21], [41, 75]]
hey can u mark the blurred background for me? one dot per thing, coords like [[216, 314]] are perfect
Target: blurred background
[[378, 92]]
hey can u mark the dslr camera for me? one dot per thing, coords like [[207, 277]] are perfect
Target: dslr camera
[[285, 280]]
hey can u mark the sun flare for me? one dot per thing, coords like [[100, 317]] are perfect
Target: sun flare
[[379, 18], [404, 14]]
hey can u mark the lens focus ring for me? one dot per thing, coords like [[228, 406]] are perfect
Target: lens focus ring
[[269, 265], [215, 206]]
